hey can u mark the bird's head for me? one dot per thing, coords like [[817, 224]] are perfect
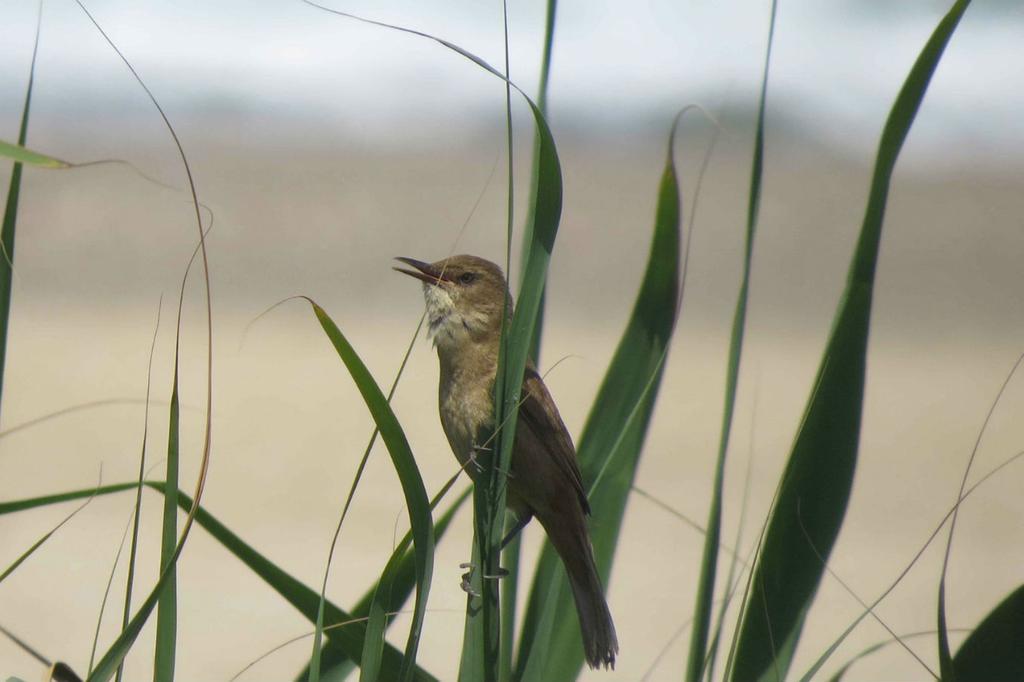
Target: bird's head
[[465, 298]]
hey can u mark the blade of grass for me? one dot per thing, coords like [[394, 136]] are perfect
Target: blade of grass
[[370, 650], [79, 407], [542, 106], [15, 506], [25, 647], [403, 579], [301, 597], [9, 227], [550, 648], [510, 195], [543, 227], [507, 606], [870, 609], [731, 581], [132, 552], [399, 574], [810, 674], [167, 609], [993, 652], [951, 515], [945, 660], [377, 623], [755, 554], [333, 675], [304, 599], [106, 592], [709, 562], [735, 574], [56, 671], [788, 572], [167, 604], [46, 536], [119, 649], [875, 648], [509, 596], [112, 660], [408, 474], [21, 154]]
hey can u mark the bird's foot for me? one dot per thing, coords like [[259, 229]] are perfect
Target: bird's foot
[[479, 467], [467, 580], [472, 461], [467, 577]]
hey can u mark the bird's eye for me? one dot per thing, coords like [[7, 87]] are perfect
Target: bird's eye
[[467, 278]]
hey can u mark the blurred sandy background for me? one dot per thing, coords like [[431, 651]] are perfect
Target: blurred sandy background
[[316, 196]]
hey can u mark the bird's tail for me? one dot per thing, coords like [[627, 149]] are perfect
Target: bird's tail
[[600, 645]]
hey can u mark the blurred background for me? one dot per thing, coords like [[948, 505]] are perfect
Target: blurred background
[[325, 147]]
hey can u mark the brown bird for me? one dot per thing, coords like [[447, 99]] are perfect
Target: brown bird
[[466, 297]]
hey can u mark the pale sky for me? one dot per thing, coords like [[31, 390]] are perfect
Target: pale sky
[[836, 67]]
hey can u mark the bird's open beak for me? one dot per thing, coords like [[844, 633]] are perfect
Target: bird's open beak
[[423, 271]]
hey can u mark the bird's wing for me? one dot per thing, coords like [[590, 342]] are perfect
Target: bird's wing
[[542, 431]]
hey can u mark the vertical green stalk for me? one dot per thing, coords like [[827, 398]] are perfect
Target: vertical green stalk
[[137, 513], [509, 595], [542, 105], [510, 557], [709, 564], [167, 607], [483, 638], [11, 213], [506, 619]]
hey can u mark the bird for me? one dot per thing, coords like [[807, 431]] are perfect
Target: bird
[[467, 299]]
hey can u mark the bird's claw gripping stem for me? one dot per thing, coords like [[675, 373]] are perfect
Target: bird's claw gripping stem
[[467, 577]]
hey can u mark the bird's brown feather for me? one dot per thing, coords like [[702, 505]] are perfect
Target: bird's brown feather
[[544, 449]]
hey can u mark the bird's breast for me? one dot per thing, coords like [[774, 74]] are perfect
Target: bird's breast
[[466, 406]]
